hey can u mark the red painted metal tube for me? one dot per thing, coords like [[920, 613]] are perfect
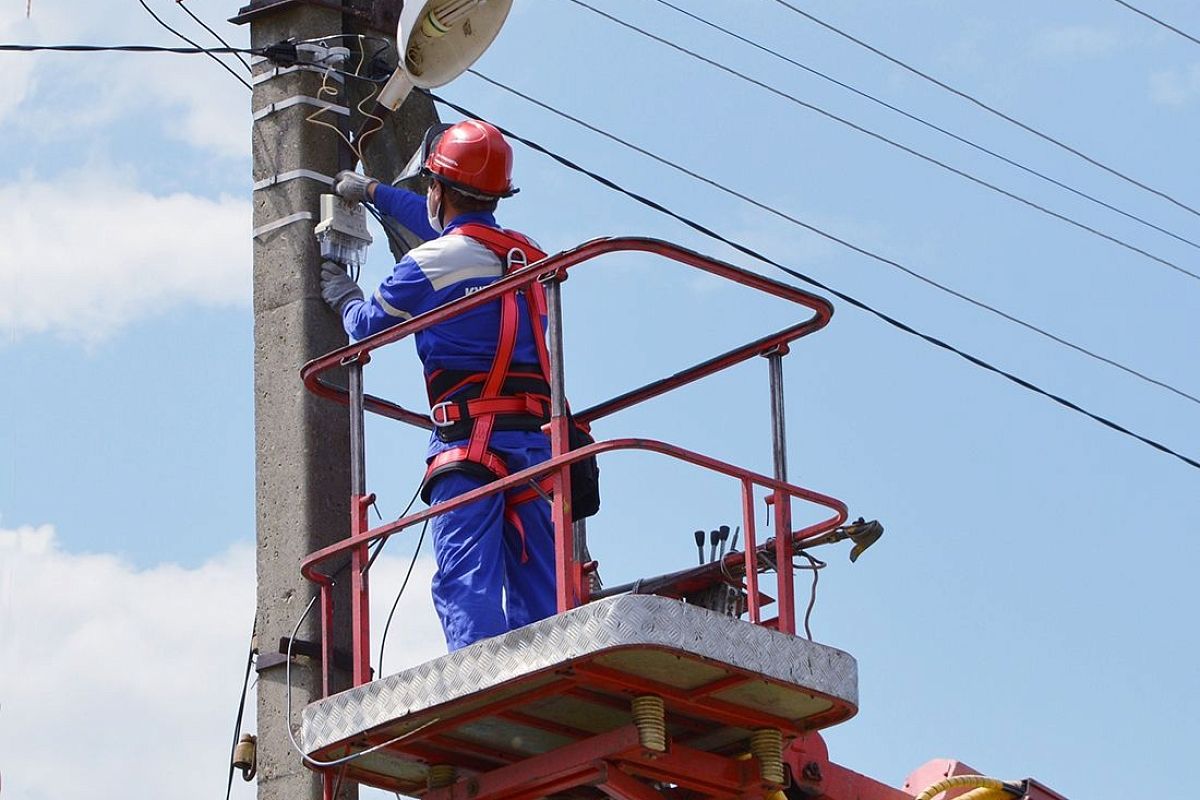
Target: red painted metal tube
[[360, 604], [622, 786], [750, 547], [561, 262], [566, 767], [525, 476], [712, 775]]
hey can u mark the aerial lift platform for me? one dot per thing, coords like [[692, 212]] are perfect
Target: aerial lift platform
[[672, 686]]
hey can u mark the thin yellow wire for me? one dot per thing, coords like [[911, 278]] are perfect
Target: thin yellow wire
[[326, 90]]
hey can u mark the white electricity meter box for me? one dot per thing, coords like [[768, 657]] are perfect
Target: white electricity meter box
[[342, 232]]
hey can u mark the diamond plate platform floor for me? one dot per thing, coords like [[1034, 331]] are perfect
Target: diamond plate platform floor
[[570, 678]]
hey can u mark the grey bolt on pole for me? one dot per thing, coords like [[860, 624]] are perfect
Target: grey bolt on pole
[[303, 463]]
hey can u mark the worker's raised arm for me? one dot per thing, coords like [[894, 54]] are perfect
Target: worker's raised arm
[[403, 295], [406, 207]]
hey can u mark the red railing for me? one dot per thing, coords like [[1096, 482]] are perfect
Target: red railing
[[571, 573]]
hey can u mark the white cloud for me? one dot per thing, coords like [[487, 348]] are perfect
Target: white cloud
[[1076, 41], [112, 676], [196, 101], [86, 255], [1176, 87]]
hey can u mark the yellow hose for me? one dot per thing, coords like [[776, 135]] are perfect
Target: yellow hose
[[993, 788], [984, 793]]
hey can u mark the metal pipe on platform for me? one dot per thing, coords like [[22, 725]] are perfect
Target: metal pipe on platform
[[782, 502], [358, 446], [568, 578]]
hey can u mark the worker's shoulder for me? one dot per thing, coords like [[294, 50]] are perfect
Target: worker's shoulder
[[450, 259]]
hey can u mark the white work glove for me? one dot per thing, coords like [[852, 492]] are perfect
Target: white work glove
[[352, 187], [337, 288]]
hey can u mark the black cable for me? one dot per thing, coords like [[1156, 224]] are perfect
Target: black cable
[[930, 125], [990, 109], [816, 565], [123, 48], [1153, 18], [832, 237], [379, 547], [388, 625], [875, 135], [389, 230], [237, 724], [210, 54], [215, 35], [712, 234]]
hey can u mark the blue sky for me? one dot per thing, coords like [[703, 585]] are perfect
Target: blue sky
[[1029, 610]]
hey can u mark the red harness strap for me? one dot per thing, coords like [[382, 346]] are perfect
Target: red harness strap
[[514, 251]]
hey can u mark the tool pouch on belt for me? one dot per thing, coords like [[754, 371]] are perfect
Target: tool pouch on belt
[[585, 476]]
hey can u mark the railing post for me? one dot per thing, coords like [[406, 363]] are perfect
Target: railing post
[[751, 551], [781, 500], [360, 503], [568, 577]]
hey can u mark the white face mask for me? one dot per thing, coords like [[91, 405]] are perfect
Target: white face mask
[[434, 213]]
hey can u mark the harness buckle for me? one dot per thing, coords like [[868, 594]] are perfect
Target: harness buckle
[[440, 414]]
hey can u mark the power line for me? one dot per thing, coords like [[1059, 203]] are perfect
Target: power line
[[123, 48], [933, 126], [712, 234], [210, 54], [214, 34], [990, 109], [837, 239], [892, 142], [1153, 18]]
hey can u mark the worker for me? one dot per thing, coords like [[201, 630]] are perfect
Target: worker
[[495, 556]]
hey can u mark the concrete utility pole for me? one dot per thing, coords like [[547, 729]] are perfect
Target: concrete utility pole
[[302, 442]]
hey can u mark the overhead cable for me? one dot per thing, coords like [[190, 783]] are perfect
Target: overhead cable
[[124, 48], [1153, 18], [210, 54], [836, 239], [932, 126], [892, 142], [215, 35], [988, 108], [712, 234]]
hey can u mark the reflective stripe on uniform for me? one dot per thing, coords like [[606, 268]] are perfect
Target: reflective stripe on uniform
[[390, 309], [451, 259]]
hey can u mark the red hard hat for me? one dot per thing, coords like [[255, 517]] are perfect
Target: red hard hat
[[473, 157]]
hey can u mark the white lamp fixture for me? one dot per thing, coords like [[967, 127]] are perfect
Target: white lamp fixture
[[439, 40]]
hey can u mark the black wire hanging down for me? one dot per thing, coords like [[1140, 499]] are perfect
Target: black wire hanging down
[[712, 234], [209, 53], [214, 34]]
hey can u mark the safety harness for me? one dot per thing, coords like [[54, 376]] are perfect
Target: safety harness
[[471, 405]]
